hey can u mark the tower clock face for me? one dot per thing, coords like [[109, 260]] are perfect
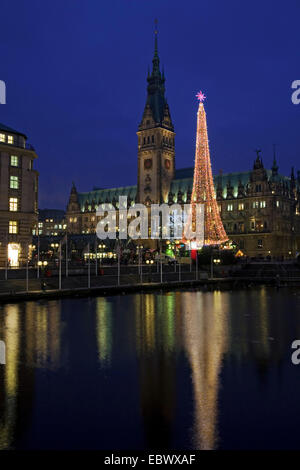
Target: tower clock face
[[148, 163], [167, 164]]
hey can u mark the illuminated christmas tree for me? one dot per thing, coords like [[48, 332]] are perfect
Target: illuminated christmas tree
[[203, 186]]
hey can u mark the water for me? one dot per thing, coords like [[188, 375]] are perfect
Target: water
[[178, 370]]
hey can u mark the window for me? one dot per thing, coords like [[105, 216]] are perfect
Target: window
[[262, 204], [153, 139], [2, 137], [259, 243], [277, 204], [230, 207], [255, 204], [219, 207], [241, 206], [14, 182], [14, 160], [258, 188], [13, 226], [13, 204], [10, 139]]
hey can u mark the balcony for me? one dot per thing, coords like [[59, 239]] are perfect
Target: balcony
[[25, 146]]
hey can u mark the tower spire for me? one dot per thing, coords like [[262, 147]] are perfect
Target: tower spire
[[155, 61], [274, 166]]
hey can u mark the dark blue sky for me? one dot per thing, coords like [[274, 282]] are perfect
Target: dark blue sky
[[75, 73]]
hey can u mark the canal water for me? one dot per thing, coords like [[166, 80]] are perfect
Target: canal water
[[176, 370]]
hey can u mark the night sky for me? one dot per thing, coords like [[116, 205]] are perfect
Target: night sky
[[76, 71]]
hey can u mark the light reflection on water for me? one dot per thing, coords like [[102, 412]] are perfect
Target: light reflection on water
[[155, 370]]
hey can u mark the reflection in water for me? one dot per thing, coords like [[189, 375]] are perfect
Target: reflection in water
[[32, 338], [104, 330], [156, 342], [205, 332], [173, 346], [9, 374]]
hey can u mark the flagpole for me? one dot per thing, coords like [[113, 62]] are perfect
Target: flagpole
[[119, 249], [67, 271], [6, 260], [27, 268], [38, 258], [96, 252], [141, 267], [179, 269], [89, 266], [59, 276], [161, 273]]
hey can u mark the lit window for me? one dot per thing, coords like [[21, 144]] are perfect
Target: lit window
[[10, 139], [241, 206], [14, 160], [13, 226], [230, 207], [75, 219], [14, 182], [71, 219], [13, 204], [255, 204], [219, 207], [40, 224], [277, 204], [262, 204], [2, 137], [259, 243]]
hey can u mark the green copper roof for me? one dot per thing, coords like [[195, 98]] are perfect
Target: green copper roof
[[183, 182], [106, 195]]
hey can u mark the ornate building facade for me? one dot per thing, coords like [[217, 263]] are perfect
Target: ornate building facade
[[19, 196], [259, 208]]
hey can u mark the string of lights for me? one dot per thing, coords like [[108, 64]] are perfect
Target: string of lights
[[203, 187]]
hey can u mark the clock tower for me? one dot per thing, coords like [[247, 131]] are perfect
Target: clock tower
[[156, 141]]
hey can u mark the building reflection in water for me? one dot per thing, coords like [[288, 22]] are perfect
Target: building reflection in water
[[31, 332], [157, 319], [104, 325], [205, 320]]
